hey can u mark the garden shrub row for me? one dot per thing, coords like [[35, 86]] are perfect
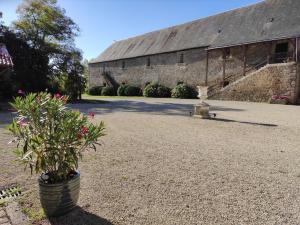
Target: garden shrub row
[[101, 90], [154, 90], [128, 90]]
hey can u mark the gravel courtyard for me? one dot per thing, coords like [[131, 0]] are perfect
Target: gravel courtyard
[[158, 165]]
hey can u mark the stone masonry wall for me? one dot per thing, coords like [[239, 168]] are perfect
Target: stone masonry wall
[[260, 86], [165, 68]]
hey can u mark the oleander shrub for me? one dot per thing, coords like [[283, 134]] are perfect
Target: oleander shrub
[[108, 91], [156, 90], [95, 90], [184, 91], [51, 138]]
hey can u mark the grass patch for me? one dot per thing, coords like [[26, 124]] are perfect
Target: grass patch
[[89, 101], [93, 97], [31, 207], [34, 215]]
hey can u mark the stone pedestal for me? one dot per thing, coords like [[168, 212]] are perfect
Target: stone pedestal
[[202, 109]]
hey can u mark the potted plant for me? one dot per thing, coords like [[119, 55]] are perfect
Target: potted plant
[[50, 140]]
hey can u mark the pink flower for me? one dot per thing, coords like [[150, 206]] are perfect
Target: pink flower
[[57, 96], [284, 97], [21, 92], [84, 130], [21, 122], [91, 115]]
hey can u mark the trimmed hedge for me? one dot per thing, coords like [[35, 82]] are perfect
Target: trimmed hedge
[[96, 90], [132, 91], [156, 90], [163, 92], [108, 91], [128, 90], [121, 90], [184, 91]]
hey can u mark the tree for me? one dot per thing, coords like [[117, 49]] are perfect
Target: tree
[[45, 25], [30, 65], [75, 83], [50, 32]]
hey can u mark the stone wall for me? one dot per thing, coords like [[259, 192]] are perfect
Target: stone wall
[[165, 68], [260, 86]]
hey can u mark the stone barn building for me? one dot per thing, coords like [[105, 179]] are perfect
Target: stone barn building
[[249, 54]]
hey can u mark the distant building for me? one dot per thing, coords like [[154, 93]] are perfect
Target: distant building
[[244, 54]]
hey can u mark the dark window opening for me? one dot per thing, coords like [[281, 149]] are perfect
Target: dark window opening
[[123, 64], [104, 84], [282, 48], [281, 52], [180, 59], [148, 61], [227, 53]]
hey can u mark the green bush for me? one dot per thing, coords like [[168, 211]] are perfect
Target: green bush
[[163, 92], [121, 90], [95, 90], [183, 91], [156, 90], [108, 91], [132, 91]]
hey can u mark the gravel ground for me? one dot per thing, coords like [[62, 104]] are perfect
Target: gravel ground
[[158, 165]]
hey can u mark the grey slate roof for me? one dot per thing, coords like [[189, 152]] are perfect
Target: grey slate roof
[[267, 20]]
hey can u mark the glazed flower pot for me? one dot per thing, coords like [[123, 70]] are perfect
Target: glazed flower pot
[[60, 198]]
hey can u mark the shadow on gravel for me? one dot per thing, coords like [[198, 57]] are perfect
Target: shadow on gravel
[[79, 217], [245, 122], [145, 107], [5, 119]]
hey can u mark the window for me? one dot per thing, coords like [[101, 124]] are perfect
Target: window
[[281, 52], [104, 84], [282, 48], [148, 61], [123, 64], [180, 58], [227, 53]]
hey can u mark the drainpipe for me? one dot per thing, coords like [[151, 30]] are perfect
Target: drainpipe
[[224, 68], [245, 59], [206, 72], [297, 72]]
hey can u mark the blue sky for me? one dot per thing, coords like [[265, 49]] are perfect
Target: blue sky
[[103, 21]]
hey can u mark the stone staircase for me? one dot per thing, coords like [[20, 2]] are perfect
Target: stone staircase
[[260, 85], [109, 79], [218, 85]]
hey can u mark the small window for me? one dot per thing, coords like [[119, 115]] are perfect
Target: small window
[[104, 84], [123, 64], [281, 52], [180, 58], [282, 48], [227, 53], [148, 61]]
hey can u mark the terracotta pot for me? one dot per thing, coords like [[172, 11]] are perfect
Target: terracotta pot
[[60, 198]]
